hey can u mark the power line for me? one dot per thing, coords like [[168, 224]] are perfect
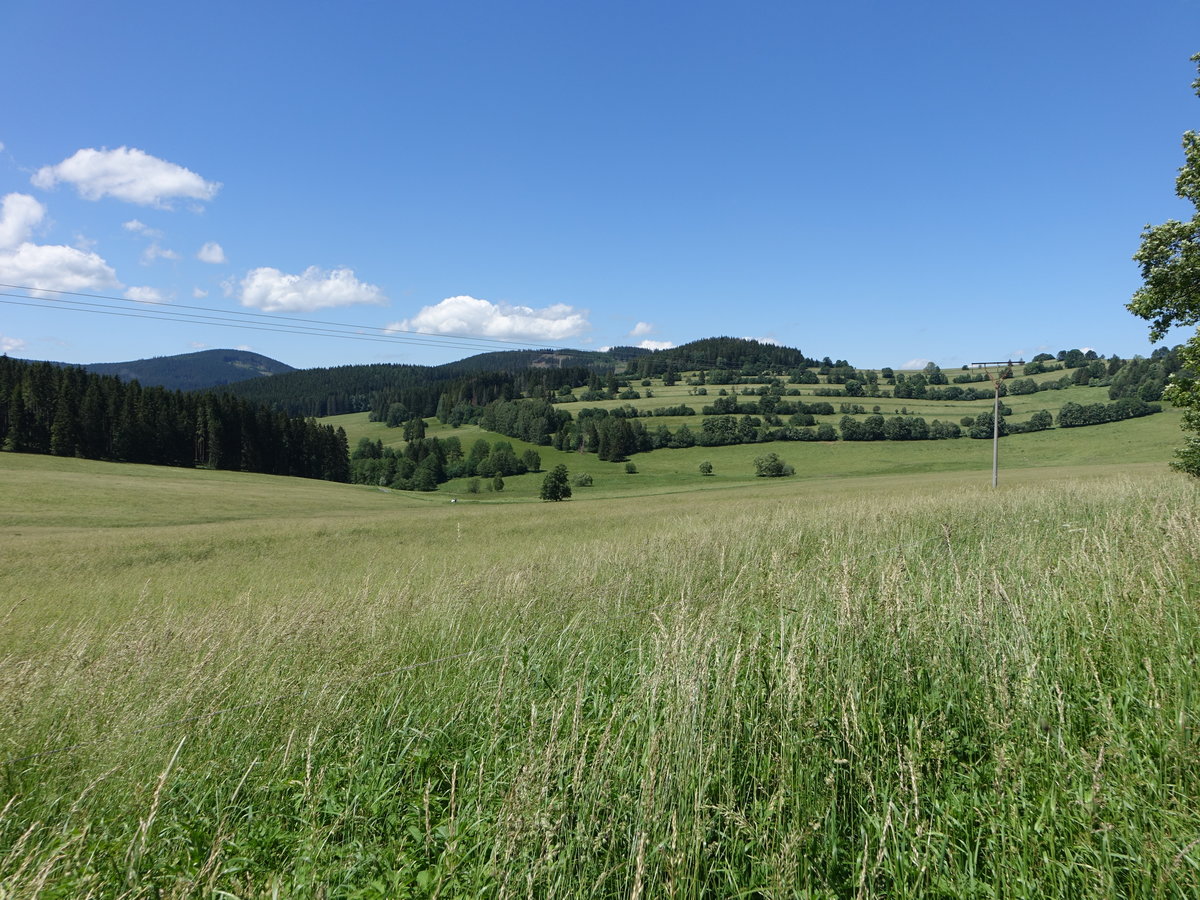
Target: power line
[[220, 322], [270, 317], [281, 324]]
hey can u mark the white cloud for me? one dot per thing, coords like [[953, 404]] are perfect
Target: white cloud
[[641, 329], [918, 363], [138, 227], [19, 215], [198, 345], [271, 290], [656, 345], [153, 252], [211, 252], [145, 294], [55, 268], [199, 293], [9, 344], [127, 174], [482, 318], [246, 348], [764, 340], [44, 268]]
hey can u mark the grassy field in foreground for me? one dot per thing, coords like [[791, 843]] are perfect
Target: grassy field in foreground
[[887, 686]]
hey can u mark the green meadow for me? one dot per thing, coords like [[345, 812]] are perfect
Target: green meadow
[[876, 678], [1144, 440]]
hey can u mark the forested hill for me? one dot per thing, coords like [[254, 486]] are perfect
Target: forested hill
[[723, 353], [517, 360], [503, 375], [68, 411], [419, 389], [192, 371]]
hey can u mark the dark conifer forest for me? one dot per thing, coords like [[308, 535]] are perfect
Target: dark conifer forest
[[67, 411]]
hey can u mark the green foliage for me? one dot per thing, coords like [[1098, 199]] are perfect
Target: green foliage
[[414, 429], [1073, 415], [1169, 258], [984, 426], [771, 466], [1041, 420], [582, 479], [706, 468], [900, 701], [556, 485], [68, 411], [630, 468]]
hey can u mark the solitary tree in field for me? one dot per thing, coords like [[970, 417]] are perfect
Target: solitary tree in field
[[771, 466], [557, 484], [1170, 294]]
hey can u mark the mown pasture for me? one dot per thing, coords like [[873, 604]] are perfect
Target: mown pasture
[[896, 684]]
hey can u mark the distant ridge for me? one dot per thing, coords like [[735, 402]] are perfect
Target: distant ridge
[[192, 371], [498, 374]]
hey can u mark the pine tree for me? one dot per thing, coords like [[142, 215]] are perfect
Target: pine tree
[[16, 438], [64, 430]]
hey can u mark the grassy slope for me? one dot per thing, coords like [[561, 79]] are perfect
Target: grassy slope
[[1145, 440], [902, 684]]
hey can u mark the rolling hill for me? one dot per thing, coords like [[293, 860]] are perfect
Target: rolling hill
[[197, 371]]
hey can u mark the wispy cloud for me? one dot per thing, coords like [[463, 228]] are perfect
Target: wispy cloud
[[139, 227], [153, 252], [211, 252], [145, 294]]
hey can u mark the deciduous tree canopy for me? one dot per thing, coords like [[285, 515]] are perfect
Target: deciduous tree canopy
[[1170, 294]]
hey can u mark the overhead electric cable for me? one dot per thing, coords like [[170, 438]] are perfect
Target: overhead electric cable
[[267, 316], [189, 318], [283, 324]]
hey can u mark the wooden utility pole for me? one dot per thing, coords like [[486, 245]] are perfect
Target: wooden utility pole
[[1004, 373]]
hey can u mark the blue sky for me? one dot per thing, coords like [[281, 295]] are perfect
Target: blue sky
[[873, 181]]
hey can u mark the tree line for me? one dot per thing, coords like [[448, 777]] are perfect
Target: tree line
[[477, 381], [424, 463], [68, 411]]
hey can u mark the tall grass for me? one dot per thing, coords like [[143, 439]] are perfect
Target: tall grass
[[917, 694]]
